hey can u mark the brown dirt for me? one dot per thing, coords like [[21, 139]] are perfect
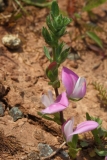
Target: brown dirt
[[23, 71]]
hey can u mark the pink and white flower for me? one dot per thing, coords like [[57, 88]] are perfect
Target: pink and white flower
[[75, 86], [52, 106], [68, 130]]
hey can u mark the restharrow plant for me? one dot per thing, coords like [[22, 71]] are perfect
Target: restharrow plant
[[75, 85]]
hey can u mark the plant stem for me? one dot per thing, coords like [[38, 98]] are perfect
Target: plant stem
[[61, 112], [18, 2], [56, 92], [47, 4]]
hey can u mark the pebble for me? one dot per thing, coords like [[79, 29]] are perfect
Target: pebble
[[44, 149], [11, 41], [16, 113]]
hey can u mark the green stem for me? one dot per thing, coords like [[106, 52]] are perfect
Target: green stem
[[61, 112], [38, 4], [53, 53], [17, 1]]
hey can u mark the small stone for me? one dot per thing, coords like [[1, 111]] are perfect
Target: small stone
[[33, 156], [11, 41], [16, 113], [65, 154], [45, 150], [73, 56]]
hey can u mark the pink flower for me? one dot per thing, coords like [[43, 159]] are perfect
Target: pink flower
[[52, 106], [106, 158], [75, 86], [68, 130]]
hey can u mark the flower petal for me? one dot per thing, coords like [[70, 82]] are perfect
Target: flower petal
[[50, 97], [80, 89], [45, 100], [60, 104], [69, 79], [85, 126], [67, 129], [106, 158], [53, 108], [62, 99]]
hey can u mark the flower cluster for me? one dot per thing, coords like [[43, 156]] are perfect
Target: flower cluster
[[75, 89]]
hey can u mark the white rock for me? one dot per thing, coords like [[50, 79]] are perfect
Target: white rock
[[11, 41]]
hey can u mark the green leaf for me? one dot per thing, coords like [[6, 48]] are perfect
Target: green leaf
[[73, 143], [46, 51], [46, 35], [83, 144], [98, 120], [77, 15], [52, 75], [55, 9], [61, 32], [92, 153], [58, 51], [101, 153], [94, 37], [57, 118], [95, 132], [66, 21], [50, 24], [88, 117], [92, 4], [45, 116], [64, 55], [17, 16], [73, 150], [102, 132], [49, 37], [55, 84], [92, 27]]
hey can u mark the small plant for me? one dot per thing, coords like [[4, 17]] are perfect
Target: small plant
[[75, 86], [86, 29], [102, 92], [100, 136]]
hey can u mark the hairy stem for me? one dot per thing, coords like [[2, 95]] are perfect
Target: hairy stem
[[61, 112]]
